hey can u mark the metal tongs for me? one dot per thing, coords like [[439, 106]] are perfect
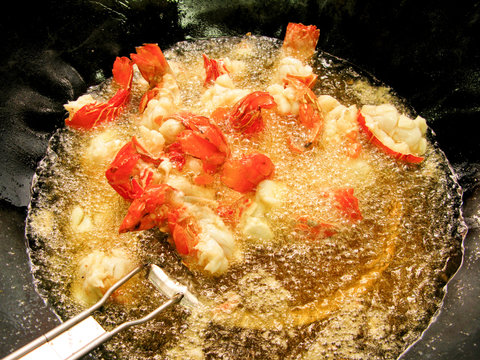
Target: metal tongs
[[81, 334]]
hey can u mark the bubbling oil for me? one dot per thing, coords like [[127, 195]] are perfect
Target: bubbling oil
[[366, 292]]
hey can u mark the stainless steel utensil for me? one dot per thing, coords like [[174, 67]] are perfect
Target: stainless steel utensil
[[81, 334]]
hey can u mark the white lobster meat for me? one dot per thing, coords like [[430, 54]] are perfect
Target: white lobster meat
[[98, 271], [397, 134], [216, 245], [166, 102], [74, 106], [151, 140], [292, 66], [285, 95], [286, 99], [221, 93], [339, 121], [80, 222], [170, 128], [327, 103], [270, 194], [102, 148], [188, 189]]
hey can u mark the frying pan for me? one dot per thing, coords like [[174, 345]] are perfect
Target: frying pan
[[52, 51]]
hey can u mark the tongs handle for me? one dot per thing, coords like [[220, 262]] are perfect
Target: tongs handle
[[109, 334], [43, 339], [67, 325]]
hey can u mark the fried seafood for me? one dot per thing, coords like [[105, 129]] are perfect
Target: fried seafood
[[264, 176]]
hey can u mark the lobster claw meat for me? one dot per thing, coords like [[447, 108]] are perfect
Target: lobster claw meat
[[300, 40], [203, 139], [132, 170], [246, 115], [245, 174], [213, 69], [94, 114]]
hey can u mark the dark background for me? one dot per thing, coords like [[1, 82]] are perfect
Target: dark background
[[51, 51]]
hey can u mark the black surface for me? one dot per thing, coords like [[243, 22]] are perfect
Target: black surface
[[428, 51]]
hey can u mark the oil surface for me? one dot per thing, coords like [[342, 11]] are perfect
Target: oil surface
[[366, 292]]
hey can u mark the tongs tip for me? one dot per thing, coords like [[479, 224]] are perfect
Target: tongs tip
[[170, 287]]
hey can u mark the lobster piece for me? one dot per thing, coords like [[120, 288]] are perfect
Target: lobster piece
[[176, 155], [307, 80], [246, 115], [197, 232], [316, 229], [132, 170], [300, 40], [213, 69], [151, 63], [347, 203], [150, 209], [123, 72], [184, 230], [343, 200], [149, 95], [94, 114], [245, 174], [153, 66], [203, 139], [397, 135], [231, 213], [353, 147], [310, 114]]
